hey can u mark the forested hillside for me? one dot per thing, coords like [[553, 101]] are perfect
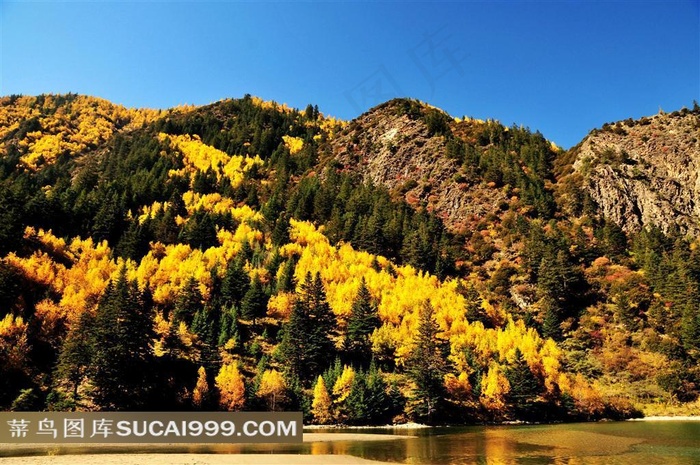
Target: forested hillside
[[403, 266]]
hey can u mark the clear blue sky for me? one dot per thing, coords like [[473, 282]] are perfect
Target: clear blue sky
[[561, 67]]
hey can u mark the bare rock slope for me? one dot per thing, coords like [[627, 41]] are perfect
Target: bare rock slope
[[402, 145], [645, 172]]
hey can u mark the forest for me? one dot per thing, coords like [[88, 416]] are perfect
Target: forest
[[221, 258]]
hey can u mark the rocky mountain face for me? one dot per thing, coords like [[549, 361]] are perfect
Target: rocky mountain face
[[646, 171], [403, 145]]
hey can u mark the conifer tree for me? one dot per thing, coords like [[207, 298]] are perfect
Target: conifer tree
[[427, 367], [254, 303], [236, 282], [75, 356], [306, 344], [123, 354], [524, 385], [362, 322]]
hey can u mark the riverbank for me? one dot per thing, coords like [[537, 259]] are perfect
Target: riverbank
[[189, 459]]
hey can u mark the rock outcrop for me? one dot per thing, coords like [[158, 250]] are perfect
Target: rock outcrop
[[398, 145], [645, 172]]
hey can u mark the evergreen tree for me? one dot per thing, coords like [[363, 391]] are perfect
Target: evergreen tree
[[236, 282], [524, 385], [228, 326], [690, 330], [122, 361], [75, 356], [306, 345], [552, 319], [254, 303], [368, 402], [286, 282], [427, 367], [363, 320]]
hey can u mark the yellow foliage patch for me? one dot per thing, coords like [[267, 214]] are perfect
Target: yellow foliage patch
[[198, 156]]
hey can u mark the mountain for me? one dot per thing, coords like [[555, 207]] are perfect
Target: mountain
[[645, 172], [406, 265]]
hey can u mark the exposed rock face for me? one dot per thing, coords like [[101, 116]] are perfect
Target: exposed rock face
[[397, 150], [646, 172]]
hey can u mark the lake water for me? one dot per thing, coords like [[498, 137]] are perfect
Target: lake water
[[633, 443]]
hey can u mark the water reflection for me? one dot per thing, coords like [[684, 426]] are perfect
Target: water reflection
[[626, 443]]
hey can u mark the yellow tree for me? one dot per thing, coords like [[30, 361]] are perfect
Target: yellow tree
[[231, 388], [272, 388], [201, 392], [343, 386], [321, 404], [494, 388]]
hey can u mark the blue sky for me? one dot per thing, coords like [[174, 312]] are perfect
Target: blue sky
[[560, 67]]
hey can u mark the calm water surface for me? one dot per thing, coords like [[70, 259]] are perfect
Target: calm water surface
[[633, 443]]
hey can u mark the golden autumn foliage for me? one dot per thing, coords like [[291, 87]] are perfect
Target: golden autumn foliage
[[81, 283], [198, 156], [14, 347], [342, 268], [201, 389], [343, 385], [293, 144], [494, 388], [231, 388], [272, 388], [68, 125], [321, 403], [458, 387]]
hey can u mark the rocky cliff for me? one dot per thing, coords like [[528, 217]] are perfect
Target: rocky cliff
[[646, 171], [403, 145]]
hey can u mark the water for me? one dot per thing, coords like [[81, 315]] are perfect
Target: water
[[633, 443]]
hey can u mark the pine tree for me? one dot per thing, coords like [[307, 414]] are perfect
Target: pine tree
[[286, 281], [427, 367], [363, 320], [75, 356], [524, 385], [690, 330], [254, 303], [121, 365], [552, 319], [228, 326], [306, 346], [236, 282], [368, 402]]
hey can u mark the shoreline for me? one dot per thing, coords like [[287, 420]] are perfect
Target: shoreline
[[189, 459], [195, 453], [668, 418]]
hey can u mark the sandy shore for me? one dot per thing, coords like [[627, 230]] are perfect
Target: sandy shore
[[86, 454], [188, 459]]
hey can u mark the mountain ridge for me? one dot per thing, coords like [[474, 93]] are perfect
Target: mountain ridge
[[223, 222]]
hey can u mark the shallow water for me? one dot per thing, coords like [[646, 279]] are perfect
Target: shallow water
[[647, 443]]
